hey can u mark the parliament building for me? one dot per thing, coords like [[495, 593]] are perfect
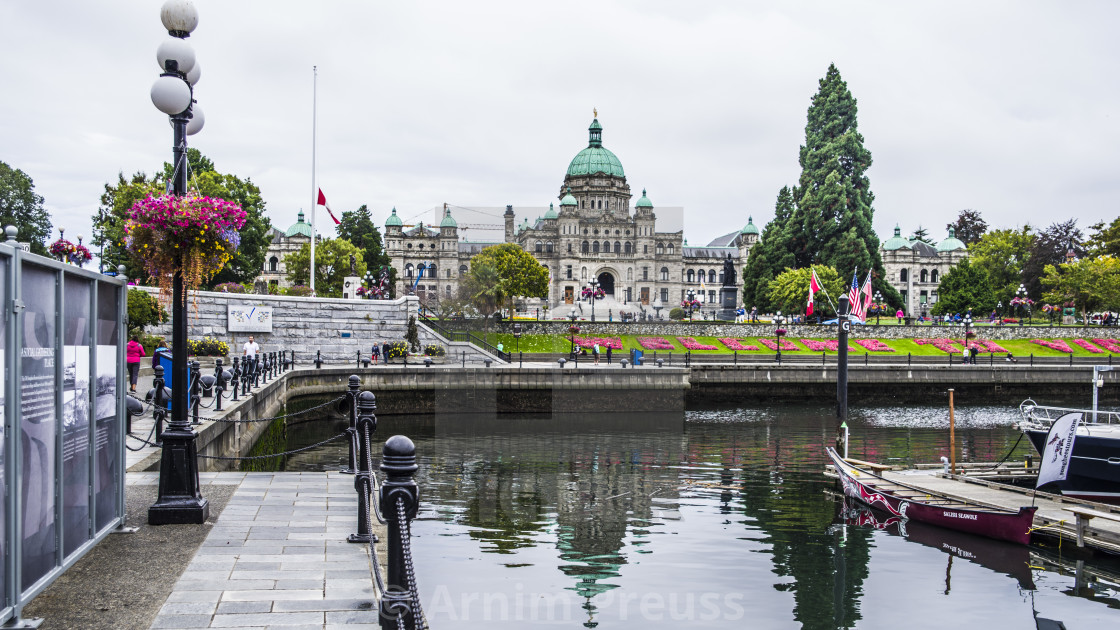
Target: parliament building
[[595, 234]]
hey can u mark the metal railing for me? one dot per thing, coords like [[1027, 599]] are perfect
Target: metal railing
[[468, 337]]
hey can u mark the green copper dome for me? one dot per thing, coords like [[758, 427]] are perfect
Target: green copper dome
[[300, 227], [551, 214], [595, 158], [749, 228], [393, 220], [447, 220], [950, 244], [568, 199], [524, 225], [896, 241], [644, 202]]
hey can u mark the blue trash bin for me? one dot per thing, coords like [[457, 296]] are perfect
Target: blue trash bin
[[637, 357], [168, 378]]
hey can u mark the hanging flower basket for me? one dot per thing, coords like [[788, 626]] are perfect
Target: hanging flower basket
[[598, 294], [780, 332], [193, 235], [68, 252], [694, 304], [573, 329]]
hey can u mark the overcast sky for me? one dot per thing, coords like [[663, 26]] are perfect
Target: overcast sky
[[1003, 107]]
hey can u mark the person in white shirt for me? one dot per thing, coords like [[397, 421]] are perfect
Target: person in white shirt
[[251, 348]]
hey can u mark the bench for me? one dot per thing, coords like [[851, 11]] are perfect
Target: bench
[[875, 468], [1084, 515]]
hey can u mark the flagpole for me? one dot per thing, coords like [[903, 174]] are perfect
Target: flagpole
[[314, 189]]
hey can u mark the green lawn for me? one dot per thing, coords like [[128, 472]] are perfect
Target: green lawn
[[562, 344]]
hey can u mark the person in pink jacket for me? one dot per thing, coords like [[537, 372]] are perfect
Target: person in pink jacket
[[133, 351]]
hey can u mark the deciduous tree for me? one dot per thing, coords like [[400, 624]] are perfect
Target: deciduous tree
[[1049, 248], [357, 226], [1092, 284], [969, 226], [519, 273], [332, 264], [1002, 254], [22, 207], [790, 290], [964, 287], [1104, 239]]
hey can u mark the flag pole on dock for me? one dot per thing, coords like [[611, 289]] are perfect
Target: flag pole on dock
[[845, 326], [314, 188]]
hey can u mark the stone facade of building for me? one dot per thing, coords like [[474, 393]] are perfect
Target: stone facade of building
[[915, 268], [595, 236]]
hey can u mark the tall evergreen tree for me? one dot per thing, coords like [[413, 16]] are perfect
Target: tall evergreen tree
[[830, 220], [22, 207]]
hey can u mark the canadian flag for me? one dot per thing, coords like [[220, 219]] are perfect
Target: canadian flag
[[323, 202], [814, 286]]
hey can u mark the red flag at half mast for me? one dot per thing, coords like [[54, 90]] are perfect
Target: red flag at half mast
[[323, 202]]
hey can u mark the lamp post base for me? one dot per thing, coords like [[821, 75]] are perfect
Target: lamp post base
[[179, 501]]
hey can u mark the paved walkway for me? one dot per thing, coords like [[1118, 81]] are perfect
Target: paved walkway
[[277, 556]]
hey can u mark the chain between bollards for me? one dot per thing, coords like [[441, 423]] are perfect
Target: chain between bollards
[[367, 425]]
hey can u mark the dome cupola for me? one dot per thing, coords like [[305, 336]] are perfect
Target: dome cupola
[[299, 228], [644, 202], [595, 158], [447, 220], [896, 241], [749, 228], [568, 199], [952, 243], [551, 214], [393, 220]]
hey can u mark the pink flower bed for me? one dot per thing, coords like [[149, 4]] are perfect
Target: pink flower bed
[[787, 345], [691, 344], [944, 345], [1057, 344], [604, 342], [655, 343], [1111, 345], [874, 345], [989, 346], [1088, 346], [734, 344], [827, 345]]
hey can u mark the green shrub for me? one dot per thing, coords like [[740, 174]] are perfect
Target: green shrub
[[231, 287], [150, 343], [434, 350], [143, 310], [677, 313], [298, 290]]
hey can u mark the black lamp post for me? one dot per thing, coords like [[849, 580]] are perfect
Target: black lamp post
[[1021, 296], [572, 328], [778, 320], [179, 500], [691, 295], [594, 284], [879, 306]]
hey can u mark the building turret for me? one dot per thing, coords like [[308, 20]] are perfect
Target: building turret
[[393, 224]]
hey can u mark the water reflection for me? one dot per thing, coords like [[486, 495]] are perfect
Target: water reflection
[[721, 518]]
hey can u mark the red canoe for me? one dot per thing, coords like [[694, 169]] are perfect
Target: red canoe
[[925, 507]]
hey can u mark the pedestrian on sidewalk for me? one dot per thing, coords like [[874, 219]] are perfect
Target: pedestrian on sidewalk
[[595, 351], [609, 348], [376, 352], [251, 350], [133, 351]]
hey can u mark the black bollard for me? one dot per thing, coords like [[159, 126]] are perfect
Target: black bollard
[[159, 402], [845, 326], [359, 362], [352, 389], [398, 462], [318, 360], [367, 425], [219, 383], [256, 371], [196, 389], [233, 384]]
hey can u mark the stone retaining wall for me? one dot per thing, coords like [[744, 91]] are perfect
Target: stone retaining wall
[[308, 325]]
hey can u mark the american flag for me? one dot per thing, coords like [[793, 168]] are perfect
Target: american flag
[[860, 298], [853, 294]]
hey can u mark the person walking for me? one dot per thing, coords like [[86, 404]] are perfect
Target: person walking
[[385, 352], [609, 348], [133, 351], [251, 350], [595, 351], [899, 315], [376, 352]]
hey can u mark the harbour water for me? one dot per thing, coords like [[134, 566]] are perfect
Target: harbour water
[[717, 518]]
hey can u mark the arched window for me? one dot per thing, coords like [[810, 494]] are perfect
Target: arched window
[[629, 274], [664, 274], [586, 247], [933, 276], [583, 273], [595, 247], [448, 273], [607, 246], [447, 290], [569, 248], [903, 276], [629, 248], [408, 270], [548, 247], [691, 276], [660, 249], [273, 263], [617, 247], [671, 249], [430, 272], [462, 270], [712, 275], [539, 247], [925, 276]]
